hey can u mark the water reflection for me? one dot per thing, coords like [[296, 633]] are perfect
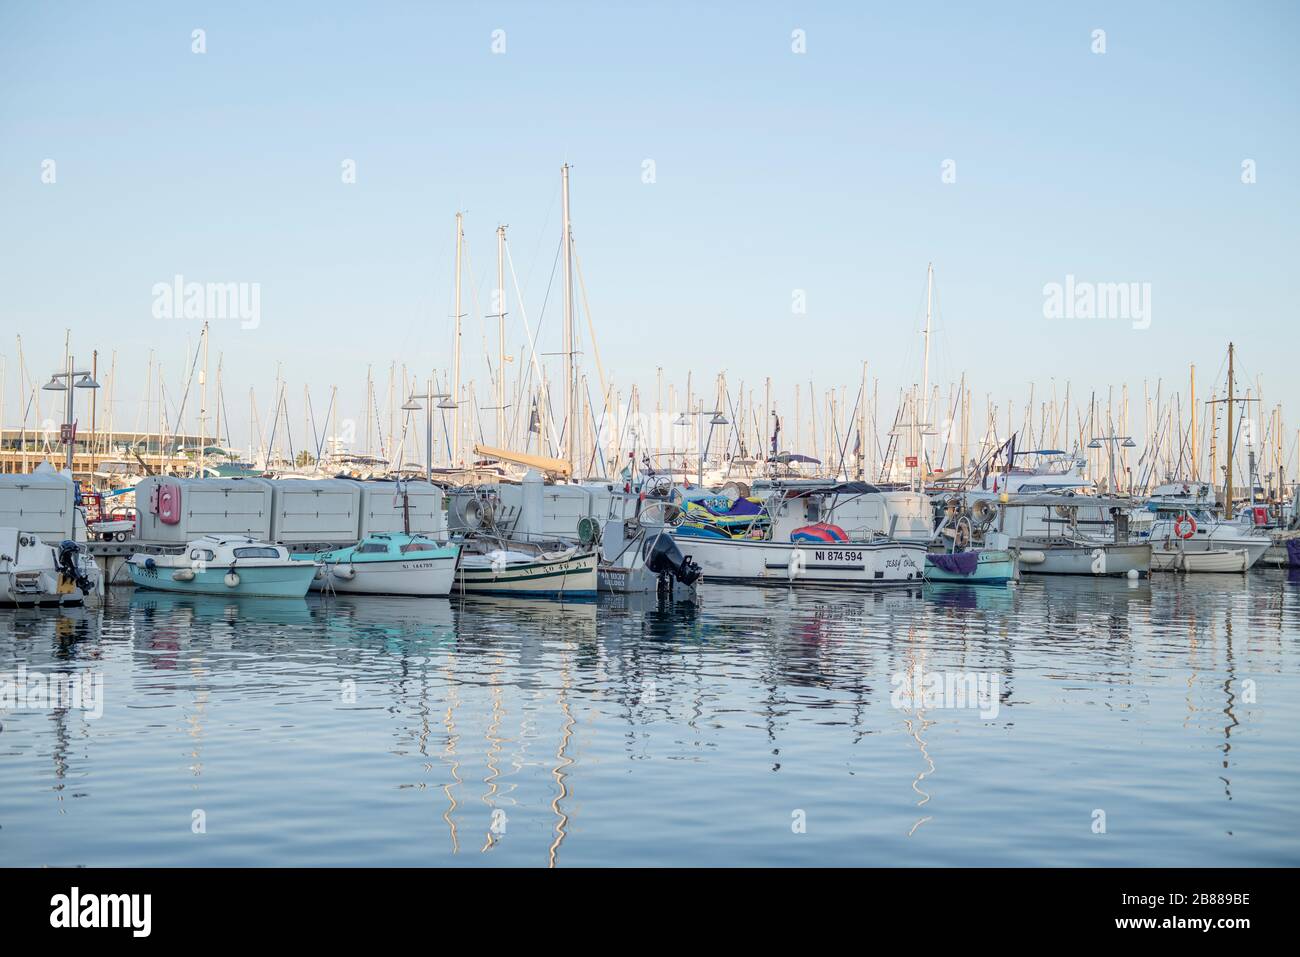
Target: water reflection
[[368, 730]]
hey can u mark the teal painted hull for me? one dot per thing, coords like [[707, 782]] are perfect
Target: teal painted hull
[[280, 581], [996, 567]]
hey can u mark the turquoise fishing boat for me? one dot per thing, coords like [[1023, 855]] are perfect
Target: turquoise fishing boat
[[978, 566], [240, 567], [396, 563]]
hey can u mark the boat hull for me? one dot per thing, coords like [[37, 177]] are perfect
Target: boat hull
[[996, 567], [289, 580], [1099, 560], [565, 577], [854, 564], [423, 578], [1225, 560]]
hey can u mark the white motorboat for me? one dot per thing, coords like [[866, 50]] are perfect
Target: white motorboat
[[33, 572]]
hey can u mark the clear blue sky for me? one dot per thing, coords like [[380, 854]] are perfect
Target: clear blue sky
[[775, 172]]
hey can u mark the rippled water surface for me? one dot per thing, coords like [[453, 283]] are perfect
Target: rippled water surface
[[1133, 723]]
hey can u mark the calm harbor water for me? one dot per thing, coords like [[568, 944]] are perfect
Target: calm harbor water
[[1129, 723]]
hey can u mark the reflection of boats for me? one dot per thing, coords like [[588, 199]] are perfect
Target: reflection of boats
[[224, 566], [389, 564], [975, 597], [282, 611]]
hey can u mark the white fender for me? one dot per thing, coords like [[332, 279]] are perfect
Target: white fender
[[232, 579], [1032, 557]]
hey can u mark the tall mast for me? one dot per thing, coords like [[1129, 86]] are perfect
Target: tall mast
[[1196, 462], [455, 388], [203, 409], [501, 336], [570, 380], [925, 368], [1227, 498]]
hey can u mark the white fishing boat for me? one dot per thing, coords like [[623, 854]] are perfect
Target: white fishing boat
[[215, 565], [795, 541]]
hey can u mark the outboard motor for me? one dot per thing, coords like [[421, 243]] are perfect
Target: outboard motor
[[665, 559], [70, 568]]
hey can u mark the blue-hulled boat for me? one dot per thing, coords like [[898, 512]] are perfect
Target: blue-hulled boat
[[213, 565], [977, 566]]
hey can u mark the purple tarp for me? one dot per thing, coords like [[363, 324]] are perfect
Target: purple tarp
[[1293, 552], [957, 563]]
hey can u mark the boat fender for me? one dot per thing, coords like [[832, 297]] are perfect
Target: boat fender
[[320, 573], [183, 575], [1185, 527], [150, 563], [1032, 557], [232, 579], [346, 573]]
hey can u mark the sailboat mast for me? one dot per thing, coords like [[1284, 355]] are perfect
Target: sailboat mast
[[501, 337], [570, 381], [455, 388], [925, 370], [1196, 460], [1227, 497]]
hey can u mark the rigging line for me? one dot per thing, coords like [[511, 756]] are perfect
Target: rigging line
[[844, 447], [532, 339], [586, 310]]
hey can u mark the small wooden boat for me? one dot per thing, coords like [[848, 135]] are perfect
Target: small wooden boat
[[213, 565], [979, 566], [1216, 560], [1213, 560], [514, 568]]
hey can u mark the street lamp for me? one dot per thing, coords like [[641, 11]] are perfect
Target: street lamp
[[63, 382], [702, 444], [414, 404], [1108, 441]]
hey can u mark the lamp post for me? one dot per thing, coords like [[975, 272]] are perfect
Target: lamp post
[[62, 382], [414, 404], [1110, 440], [702, 444]]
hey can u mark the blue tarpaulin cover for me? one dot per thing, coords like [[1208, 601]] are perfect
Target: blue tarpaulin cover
[[957, 563]]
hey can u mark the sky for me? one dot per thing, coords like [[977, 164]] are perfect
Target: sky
[[757, 188]]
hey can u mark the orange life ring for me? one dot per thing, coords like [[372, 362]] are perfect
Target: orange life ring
[[1185, 526]]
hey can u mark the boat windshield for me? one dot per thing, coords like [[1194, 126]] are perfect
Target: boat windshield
[[257, 551]]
